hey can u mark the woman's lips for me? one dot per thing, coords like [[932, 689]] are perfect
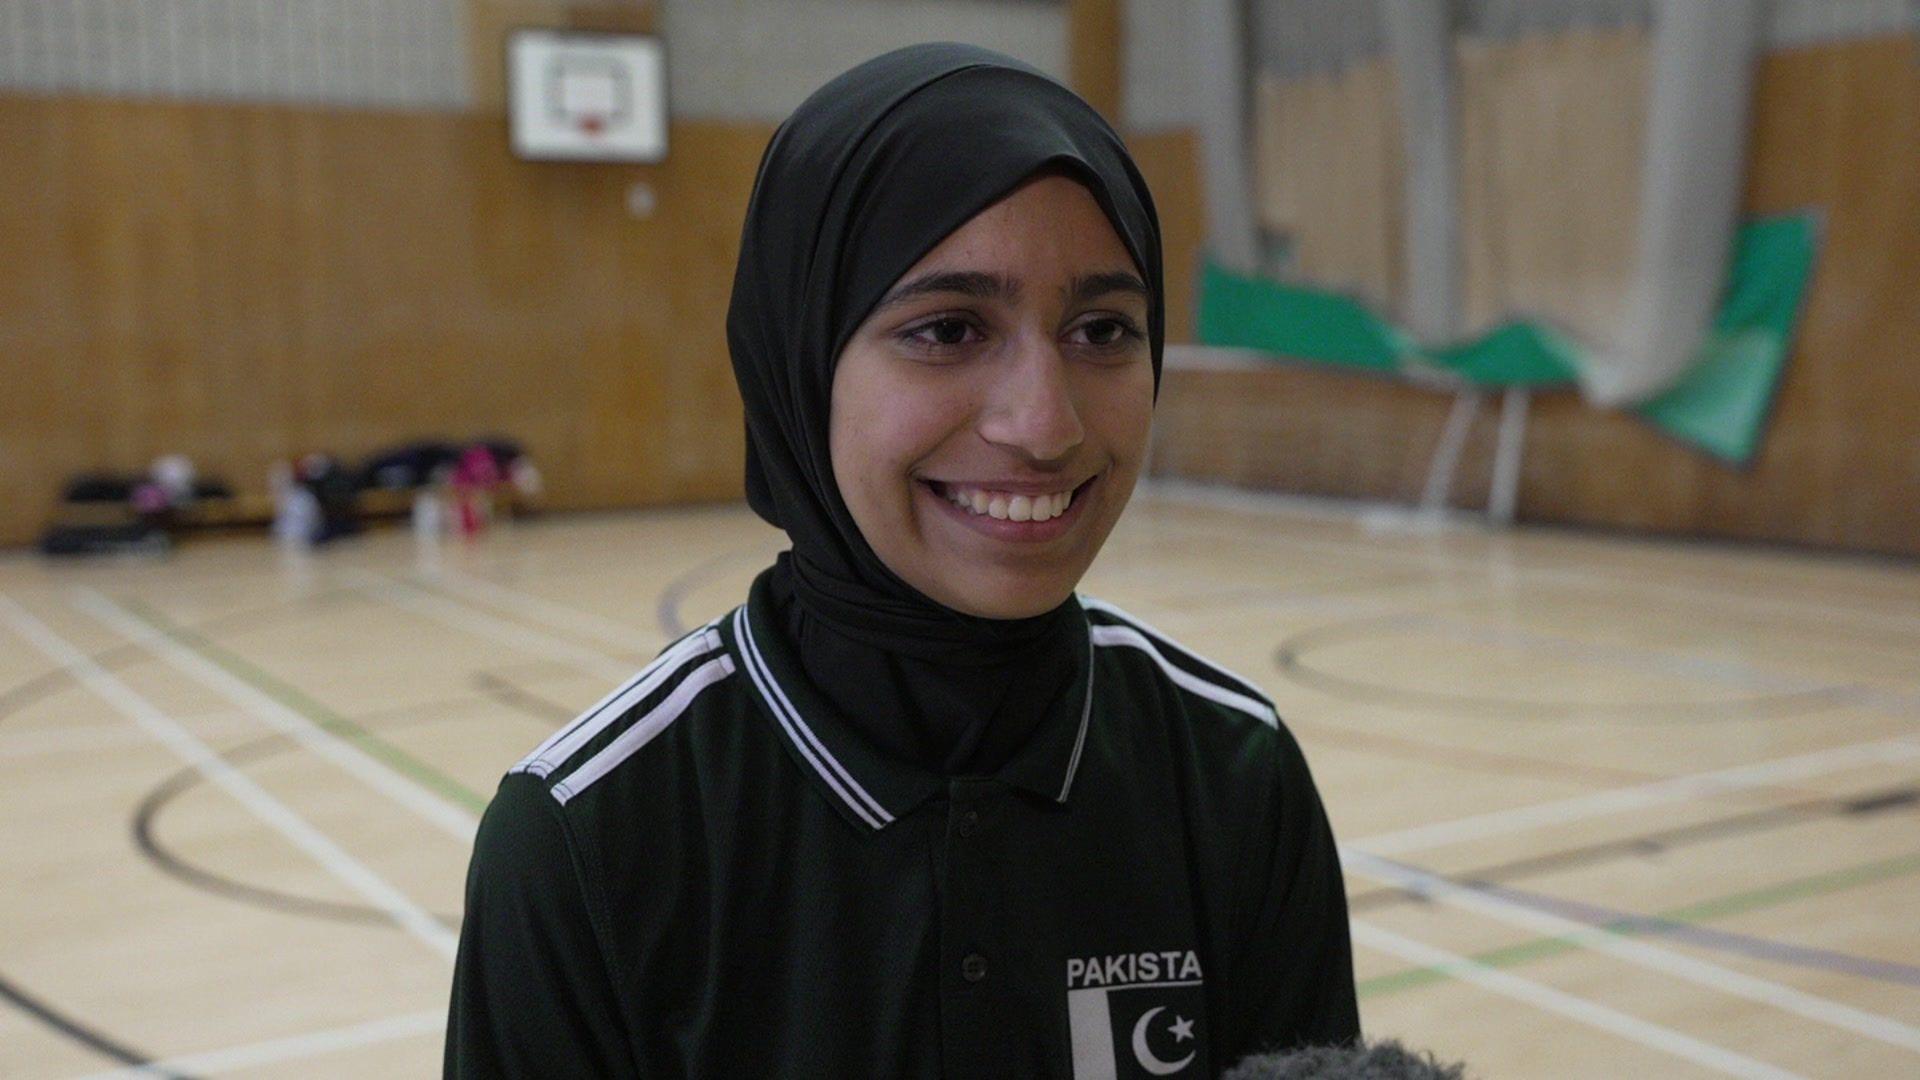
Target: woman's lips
[[1006, 528]]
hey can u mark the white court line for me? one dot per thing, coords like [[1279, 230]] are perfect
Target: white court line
[[169, 733], [1506, 984], [456, 821], [616, 635], [1655, 793], [71, 738], [1256, 502], [1680, 966], [468, 619], [291, 1048]]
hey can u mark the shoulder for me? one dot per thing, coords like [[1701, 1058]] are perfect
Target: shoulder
[[1235, 732], [674, 689], [1199, 682]]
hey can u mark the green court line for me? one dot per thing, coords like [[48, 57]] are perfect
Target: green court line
[[1703, 911], [301, 702]]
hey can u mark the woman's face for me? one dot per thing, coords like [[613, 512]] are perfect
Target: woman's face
[[990, 416]]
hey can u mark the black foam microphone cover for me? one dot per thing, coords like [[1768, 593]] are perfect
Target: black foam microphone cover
[[1384, 1060]]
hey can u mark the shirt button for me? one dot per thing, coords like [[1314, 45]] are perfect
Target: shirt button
[[974, 967], [969, 822]]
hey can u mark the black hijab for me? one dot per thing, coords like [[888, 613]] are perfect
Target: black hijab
[[869, 174]]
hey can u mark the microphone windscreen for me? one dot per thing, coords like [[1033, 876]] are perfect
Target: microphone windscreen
[[1385, 1060]]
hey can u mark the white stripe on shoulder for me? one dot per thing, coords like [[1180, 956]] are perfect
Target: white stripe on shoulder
[[1232, 699], [1241, 682], [864, 805], [657, 719], [566, 742]]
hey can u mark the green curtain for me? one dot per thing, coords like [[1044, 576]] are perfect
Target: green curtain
[[1721, 405]]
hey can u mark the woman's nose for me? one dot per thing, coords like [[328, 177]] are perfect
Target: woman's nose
[[1031, 407]]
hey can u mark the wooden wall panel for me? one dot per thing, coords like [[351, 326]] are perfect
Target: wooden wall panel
[[1835, 129], [1550, 158], [1170, 162], [242, 284], [1095, 47], [1329, 176]]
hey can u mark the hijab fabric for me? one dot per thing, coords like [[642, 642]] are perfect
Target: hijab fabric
[[868, 174]]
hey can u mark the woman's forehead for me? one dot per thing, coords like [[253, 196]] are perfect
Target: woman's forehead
[[1048, 230]]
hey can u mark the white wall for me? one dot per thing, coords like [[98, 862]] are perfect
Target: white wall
[[757, 59], [395, 53]]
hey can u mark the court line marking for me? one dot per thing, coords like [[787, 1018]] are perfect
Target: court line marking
[[433, 807], [18, 742], [70, 1027], [291, 1048], [1581, 807], [1253, 503], [477, 621], [270, 810], [1686, 915], [476, 590], [1550, 999], [1640, 796], [1612, 943], [315, 710]]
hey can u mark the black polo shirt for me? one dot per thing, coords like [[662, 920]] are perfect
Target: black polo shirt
[[711, 873]]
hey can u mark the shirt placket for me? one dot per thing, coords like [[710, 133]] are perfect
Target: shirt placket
[[974, 960]]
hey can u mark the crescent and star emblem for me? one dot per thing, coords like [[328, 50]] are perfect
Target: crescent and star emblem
[[1182, 1030]]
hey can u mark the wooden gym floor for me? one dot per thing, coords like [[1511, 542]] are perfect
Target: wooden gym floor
[[1610, 807]]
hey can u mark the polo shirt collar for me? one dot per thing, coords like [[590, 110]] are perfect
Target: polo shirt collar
[[868, 787]]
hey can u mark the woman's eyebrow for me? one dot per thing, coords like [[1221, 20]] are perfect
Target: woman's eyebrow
[[967, 282], [1087, 286]]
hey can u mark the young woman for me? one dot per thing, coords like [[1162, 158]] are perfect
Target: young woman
[[915, 808]]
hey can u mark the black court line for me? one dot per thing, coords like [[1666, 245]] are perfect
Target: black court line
[[518, 697], [78, 1032], [1749, 823], [147, 841], [1766, 706]]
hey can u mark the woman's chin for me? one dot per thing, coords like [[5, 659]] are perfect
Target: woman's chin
[[1012, 599]]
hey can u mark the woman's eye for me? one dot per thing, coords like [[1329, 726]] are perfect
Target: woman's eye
[[940, 333], [1109, 332]]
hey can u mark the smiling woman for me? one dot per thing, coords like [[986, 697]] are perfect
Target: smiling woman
[[917, 808], [990, 416]]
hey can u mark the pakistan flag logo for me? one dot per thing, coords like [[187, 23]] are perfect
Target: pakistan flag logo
[[1137, 1015]]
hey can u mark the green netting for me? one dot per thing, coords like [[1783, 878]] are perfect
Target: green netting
[[1243, 312], [1720, 405], [1515, 354]]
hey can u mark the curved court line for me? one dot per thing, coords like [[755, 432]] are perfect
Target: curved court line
[[1639, 953], [276, 814], [1802, 698], [413, 784], [1539, 995], [666, 607], [74, 1030], [144, 828]]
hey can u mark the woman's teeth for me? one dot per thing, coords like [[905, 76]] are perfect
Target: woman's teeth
[[1009, 507]]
